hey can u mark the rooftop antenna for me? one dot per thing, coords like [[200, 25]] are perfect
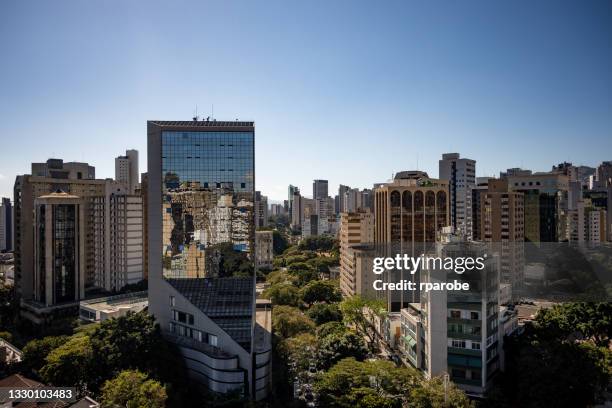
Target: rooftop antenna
[[195, 117]]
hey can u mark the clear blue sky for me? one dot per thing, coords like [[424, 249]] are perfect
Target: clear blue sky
[[342, 90]]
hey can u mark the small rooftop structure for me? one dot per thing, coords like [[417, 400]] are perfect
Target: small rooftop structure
[[100, 309]]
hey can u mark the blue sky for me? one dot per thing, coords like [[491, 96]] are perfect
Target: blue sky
[[348, 91]]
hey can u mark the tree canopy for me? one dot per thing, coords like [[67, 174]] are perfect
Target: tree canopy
[[133, 389]]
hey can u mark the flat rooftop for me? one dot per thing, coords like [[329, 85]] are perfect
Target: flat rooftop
[[117, 302]]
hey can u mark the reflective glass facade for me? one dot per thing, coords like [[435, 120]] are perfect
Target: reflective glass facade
[[207, 203]]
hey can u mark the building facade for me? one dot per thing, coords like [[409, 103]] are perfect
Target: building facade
[[356, 229], [264, 249], [6, 225], [201, 195], [461, 176], [126, 170], [411, 209]]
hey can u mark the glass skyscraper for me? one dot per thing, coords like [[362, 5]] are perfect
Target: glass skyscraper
[[201, 216]]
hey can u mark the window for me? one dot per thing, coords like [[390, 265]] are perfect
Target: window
[[458, 373], [212, 340], [455, 314], [474, 315], [476, 374], [172, 301], [475, 345], [458, 343]]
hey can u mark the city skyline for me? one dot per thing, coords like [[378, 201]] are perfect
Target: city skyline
[[404, 77]]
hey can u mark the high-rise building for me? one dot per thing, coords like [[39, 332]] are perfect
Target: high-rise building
[[100, 225], [412, 208], [604, 174], [292, 192], [502, 225], [296, 209], [6, 225], [261, 210], [59, 256], [457, 334], [461, 176], [356, 230], [126, 170], [342, 189], [319, 189], [144, 188], [310, 226], [545, 204], [201, 199], [476, 191]]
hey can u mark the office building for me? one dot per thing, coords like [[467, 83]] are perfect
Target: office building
[[201, 197], [545, 205], [104, 229], [126, 170], [310, 225], [59, 256], [461, 176], [292, 192], [356, 232], [277, 209], [261, 210], [342, 189], [6, 225], [296, 210], [411, 209], [319, 189]]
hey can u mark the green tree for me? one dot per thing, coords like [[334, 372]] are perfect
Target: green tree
[[299, 352], [289, 321], [277, 277], [320, 291], [36, 352], [328, 328], [337, 346], [360, 312], [369, 384], [283, 294], [5, 335], [318, 243], [323, 313], [70, 364], [433, 394], [587, 320], [133, 389]]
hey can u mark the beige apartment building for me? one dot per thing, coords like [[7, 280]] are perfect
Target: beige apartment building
[[356, 231], [112, 220], [502, 223]]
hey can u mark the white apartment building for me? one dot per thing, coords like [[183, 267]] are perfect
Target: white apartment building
[[461, 176], [126, 170]]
